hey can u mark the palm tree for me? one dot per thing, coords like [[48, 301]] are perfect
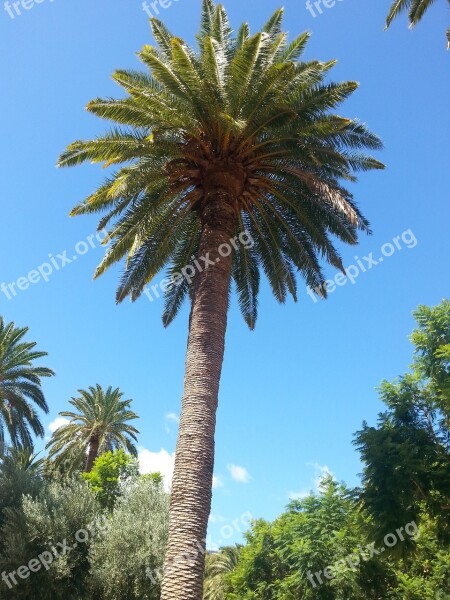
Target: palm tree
[[416, 10], [21, 459], [231, 162], [100, 424], [217, 566], [20, 387]]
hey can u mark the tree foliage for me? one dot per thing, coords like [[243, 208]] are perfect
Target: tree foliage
[[50, 520], [20, 387], [240, 114], [416, 10], [99, 424], [110, 474], [282, 559], [127, 559], [407, 456]]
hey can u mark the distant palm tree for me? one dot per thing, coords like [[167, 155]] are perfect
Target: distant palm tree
[[99, 425], [217, 566], [416, 10], [20, 387], [21, 459], [233, 161]]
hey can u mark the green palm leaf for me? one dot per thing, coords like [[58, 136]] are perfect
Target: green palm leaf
[[20, 387]]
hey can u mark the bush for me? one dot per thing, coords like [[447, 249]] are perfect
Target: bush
[[127, 558]]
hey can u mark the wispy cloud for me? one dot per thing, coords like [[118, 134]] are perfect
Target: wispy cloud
[[57, 423], [320, 471], [217, 482], [239, 474], [216, 518], [170, 419]]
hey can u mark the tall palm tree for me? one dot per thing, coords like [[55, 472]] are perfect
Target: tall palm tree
[[100, 424], [236, 138], [217, 566], [20, 387], [416, 10]]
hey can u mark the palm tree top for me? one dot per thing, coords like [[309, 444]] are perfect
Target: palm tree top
[[100, 415], [238, 116], [416, 10], [20, 386]]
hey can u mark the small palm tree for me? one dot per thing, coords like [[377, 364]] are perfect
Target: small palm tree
[[21, 459], [416, 10], [232, 160], [100, 424], [217, 566], [20, 387]]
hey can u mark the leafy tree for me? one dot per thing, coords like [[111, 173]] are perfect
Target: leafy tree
[[20, 474], [110, 472], [424, 575], [20, 387], [416, 10], [233, 161], [407, 456], [287, 559], [155, 478], [432, 351], [54, 529], [218, 567], [127, 559], [100, 424]]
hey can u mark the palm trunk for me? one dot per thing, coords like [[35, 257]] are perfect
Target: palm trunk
[[92, 454], [194, 462]]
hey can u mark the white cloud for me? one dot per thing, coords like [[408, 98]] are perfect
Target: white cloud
[[216, 518], [157, 462], [57, 423], [217, 482], [320, 471], [170, 419], [239, 474]]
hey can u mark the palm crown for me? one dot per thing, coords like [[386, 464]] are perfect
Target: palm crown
[[416, 10], [20, 387], [243, 114], [100, 424]]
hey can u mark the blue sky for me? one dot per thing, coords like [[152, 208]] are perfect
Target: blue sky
[[294, 391]]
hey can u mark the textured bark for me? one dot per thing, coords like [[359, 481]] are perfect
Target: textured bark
[[92, 454], [194, 462]]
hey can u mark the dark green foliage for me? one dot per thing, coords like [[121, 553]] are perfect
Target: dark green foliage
[[320, 531], [20, 387], [218, 568], [58, 517], [425, 574], [407, 456], [432, 351], [20, 474]]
